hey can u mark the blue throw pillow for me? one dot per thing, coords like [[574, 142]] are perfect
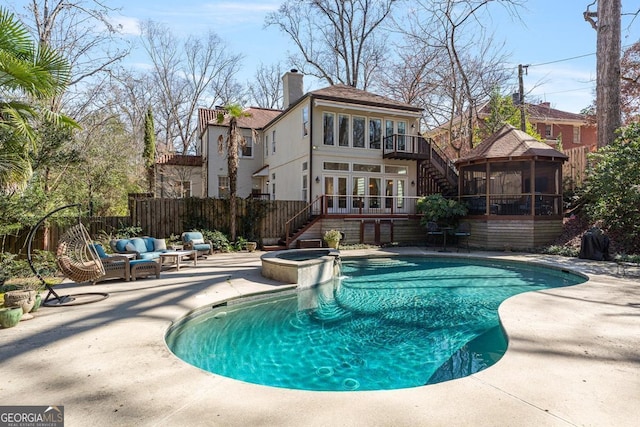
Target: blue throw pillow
[[99, 250], [139, 245], [149, 243], [121, 245]]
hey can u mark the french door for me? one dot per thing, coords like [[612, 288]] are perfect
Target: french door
[[335, 188]]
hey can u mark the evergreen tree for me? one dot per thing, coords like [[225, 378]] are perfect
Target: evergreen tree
[[149, 153]]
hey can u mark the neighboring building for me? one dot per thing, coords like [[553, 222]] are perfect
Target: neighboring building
[[570, 133], [178, 176], [252, 171]]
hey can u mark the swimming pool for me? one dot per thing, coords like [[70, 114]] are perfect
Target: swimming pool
[[387, 323]]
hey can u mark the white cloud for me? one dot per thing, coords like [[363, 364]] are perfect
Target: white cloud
[[126, 25]]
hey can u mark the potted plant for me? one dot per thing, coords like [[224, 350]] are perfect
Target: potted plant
[[332, 238], [438, 209]]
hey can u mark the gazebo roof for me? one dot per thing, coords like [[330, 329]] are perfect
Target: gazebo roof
[[511, 143]]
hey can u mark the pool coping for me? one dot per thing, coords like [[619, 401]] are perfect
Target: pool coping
[[572, 358]]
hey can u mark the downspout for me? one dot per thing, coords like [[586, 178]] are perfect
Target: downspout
[[310, 176]]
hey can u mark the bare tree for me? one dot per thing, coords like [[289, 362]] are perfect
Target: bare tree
[[266, 88], [606, 20], [337, 41], [189, 75], [453, 64], [82, 31], [630, 85]]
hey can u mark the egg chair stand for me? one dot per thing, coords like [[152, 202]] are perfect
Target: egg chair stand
[[75, 259]]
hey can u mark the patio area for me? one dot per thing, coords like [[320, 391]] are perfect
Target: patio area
[[573, 359]]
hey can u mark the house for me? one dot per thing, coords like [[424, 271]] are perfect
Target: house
[[350, 154], [178, 176], [571, 133], [252, 171]]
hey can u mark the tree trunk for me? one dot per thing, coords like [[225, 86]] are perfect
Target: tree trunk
[[608, 70], [232, 166]]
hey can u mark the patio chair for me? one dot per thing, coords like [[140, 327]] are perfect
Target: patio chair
[[194, 240], [115, 266], [433, 230], [463, 232]]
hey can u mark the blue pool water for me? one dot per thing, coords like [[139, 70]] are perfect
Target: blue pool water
[[387, 323]]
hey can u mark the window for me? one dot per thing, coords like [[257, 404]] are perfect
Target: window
[[548, 131], [333, 166], [375, 133], [266, 145], [223, 186], [366, 168], [402, 131], [185, 187], [374, 192], [273, 141], [305, 121], [247, 150], [388, 134], [358, 131], [400, 170], [305, 166], [304, 187], [328, 120], [343, 130], [576, 135]]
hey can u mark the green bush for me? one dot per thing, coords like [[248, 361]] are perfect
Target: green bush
[[612, 190], [218, 239], [436, 208]]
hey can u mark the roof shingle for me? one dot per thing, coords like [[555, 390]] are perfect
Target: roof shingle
[[510, 142]]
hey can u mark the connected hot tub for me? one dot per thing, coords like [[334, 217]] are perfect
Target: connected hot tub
[[303, 267]]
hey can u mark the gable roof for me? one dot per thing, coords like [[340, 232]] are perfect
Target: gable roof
[[536, 113], [257, 117], [509, 142], [342, 93]]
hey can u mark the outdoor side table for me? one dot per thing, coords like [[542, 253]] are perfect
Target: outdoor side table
[[176, 258]]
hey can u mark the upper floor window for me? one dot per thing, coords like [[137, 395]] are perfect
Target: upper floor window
[[375, 133], [305, 121], [327, 126], [358, 131], [247, 149], [273, 141], [548, 131], [266, 145], [343, 130], [576, 135]]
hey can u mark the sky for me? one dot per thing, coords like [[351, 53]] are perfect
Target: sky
[[551, 37]]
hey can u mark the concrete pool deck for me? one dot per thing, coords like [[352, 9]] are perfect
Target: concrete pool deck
[[573, 359]]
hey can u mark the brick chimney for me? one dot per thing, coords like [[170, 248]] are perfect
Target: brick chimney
[[292, 85]]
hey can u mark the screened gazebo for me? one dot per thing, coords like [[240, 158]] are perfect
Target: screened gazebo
[[512, 184]]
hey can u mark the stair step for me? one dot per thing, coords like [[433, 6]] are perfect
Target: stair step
[[270, 248]]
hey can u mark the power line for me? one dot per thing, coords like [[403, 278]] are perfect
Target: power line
[[563, 60]]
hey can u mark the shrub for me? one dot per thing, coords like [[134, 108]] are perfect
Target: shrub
[[437, 208], [612, 190], [218, 239]]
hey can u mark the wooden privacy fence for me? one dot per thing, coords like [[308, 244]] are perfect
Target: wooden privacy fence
[[256, 219], [575, 168], [160, 218]]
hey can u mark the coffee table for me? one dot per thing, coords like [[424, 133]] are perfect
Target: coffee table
[[176, 258]]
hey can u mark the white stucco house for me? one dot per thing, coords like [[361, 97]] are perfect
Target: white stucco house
[[360, 150]]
